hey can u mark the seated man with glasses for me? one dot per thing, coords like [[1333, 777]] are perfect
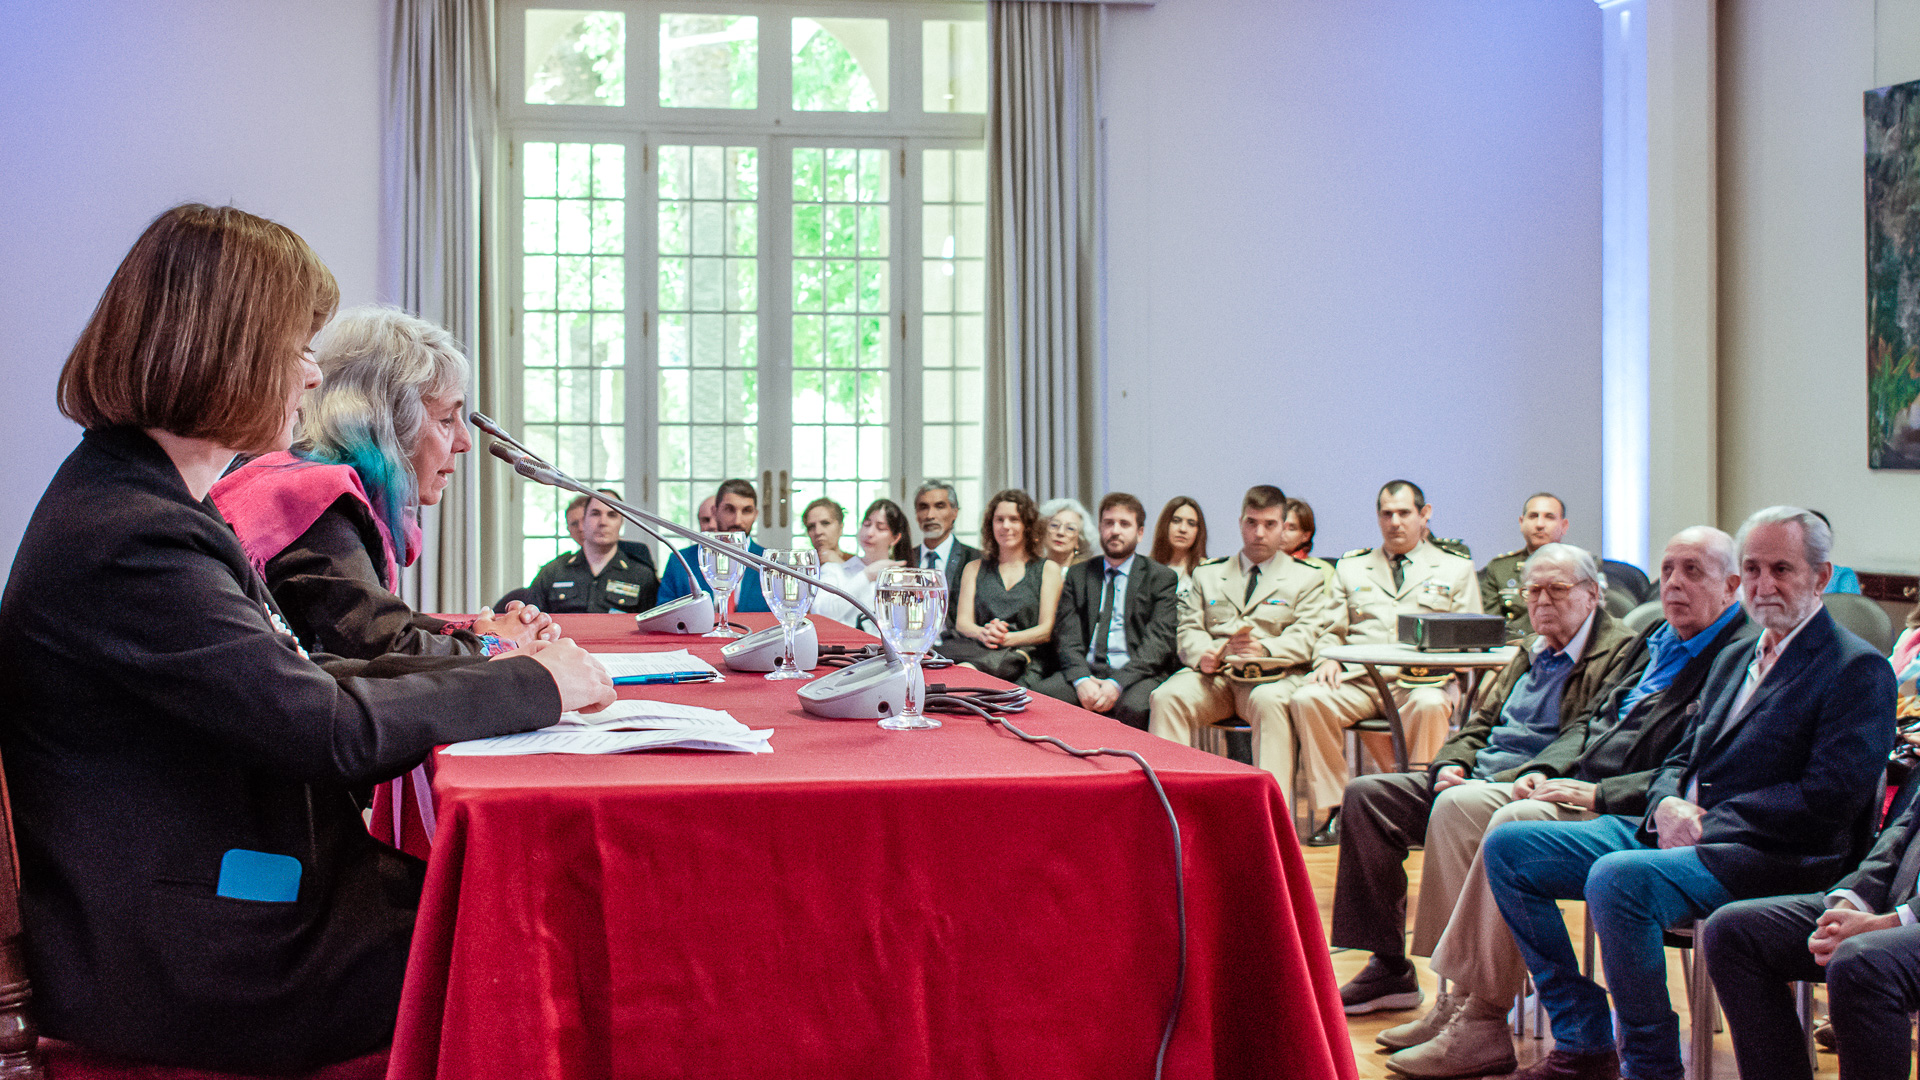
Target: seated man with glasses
[[1539, 700]]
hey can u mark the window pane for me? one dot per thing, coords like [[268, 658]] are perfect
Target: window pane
[[953, 66], [952, 267], [709, 61], [576, 57], [840, 65]]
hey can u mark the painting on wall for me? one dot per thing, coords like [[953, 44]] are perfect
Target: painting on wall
[[1893, 276]]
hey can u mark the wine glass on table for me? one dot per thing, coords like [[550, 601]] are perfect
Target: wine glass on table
[[723, 575], [789, 598], [912, 605]]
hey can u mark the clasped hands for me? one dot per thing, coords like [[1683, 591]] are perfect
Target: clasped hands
[[520, 623], [1841, 922], [994, 634], [1242, 643]]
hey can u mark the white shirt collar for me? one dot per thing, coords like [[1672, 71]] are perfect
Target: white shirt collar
[[1790, 635], [1246, 565], [1579, 643], [945, 549], [1125, 567]]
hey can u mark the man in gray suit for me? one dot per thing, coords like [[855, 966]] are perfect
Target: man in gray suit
[[936, 506], [1115, 624]]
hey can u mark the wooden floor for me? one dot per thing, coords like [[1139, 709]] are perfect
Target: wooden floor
[[1372, 1059]]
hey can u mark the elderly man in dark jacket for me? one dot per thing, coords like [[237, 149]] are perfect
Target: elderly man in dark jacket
[[1770, 792], [1633, 724], [1538, 700]]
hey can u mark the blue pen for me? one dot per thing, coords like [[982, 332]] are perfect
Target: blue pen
[[664, 678]]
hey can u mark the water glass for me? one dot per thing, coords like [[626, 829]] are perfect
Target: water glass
[[912, 605], [723, 575], [789, 598]]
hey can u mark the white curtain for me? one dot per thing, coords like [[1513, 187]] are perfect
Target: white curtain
[[1045, 262], [439, 232]]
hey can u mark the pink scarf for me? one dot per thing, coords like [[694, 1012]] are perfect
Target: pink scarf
[[273, 499]]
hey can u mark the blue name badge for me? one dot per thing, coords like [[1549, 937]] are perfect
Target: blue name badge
[[259, 875]]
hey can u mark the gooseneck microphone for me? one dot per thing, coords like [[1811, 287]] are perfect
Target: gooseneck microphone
[[869, 690]]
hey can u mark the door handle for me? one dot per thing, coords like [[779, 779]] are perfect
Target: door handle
[[786, 501], [766, 494]]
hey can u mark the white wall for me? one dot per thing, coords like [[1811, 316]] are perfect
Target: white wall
[[110, 112], [1354, 241], [1792, 270]]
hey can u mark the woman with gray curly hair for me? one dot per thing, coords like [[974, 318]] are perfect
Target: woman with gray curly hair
[[330, 523], [1069, 534]]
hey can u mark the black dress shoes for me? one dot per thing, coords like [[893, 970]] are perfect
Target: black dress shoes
[[1329, 833]]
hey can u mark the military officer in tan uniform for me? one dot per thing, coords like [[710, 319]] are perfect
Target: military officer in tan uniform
[[1543, 520], [1371, 589], [1259, 603]]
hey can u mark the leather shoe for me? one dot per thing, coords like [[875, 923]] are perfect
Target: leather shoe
[[1467, 1046], [1328, 835], [1381, 986], [1561, 1065], [1415, 1032]]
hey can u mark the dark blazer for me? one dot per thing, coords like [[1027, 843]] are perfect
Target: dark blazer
[[957, 560], [157, 719], [1622, 755], [1605, 642], [329, 588], [1787, 785], [1153, 614], [1887, 877]]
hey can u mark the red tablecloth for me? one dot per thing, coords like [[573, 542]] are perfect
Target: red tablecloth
[[861, 903]]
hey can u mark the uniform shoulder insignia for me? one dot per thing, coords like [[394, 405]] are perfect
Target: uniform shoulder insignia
[[1356, 553], [1453, 547], [1317, 563], [1216, 562], [1516, 552]]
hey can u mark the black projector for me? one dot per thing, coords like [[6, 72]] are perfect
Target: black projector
[[1452, 632]]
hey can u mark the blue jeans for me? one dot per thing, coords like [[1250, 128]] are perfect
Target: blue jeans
[[1633, 893]]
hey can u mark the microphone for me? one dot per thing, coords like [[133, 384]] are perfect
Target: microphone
[[869, 690], [689, 614]]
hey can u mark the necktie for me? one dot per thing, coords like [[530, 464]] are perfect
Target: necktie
[[1105, 617], [1253, 582], [930, 560], [1399, 572]]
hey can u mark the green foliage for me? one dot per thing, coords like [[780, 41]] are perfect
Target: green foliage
[[586, 66], [825, 75]]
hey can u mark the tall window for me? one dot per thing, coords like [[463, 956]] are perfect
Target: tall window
[[751, 244]]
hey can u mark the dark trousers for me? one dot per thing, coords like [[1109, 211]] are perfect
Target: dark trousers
[[1131, 709], [1382, 817], [1754, 948]]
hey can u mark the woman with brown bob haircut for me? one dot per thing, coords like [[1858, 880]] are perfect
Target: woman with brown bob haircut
[[1008, 595], [197, 887]]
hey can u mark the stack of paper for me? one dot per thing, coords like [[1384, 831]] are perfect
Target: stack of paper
[[626, 726]]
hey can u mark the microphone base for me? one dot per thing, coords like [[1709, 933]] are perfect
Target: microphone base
[[681, 615], [869, 690], [762, 649]]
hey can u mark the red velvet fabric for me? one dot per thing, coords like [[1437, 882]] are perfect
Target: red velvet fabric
[[66, 1061], [861, 903]]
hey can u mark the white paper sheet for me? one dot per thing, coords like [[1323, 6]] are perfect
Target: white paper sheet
[[587, 741], [622, 665], [634, 714]]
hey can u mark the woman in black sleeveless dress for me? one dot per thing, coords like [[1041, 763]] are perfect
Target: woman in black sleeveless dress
[[1004, 615]]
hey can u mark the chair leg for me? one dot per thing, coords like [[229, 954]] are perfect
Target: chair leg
[[1703, 1014], [1803, 1003]]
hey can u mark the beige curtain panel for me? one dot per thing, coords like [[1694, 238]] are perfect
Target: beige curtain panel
[[441, 233], [1044, 264]]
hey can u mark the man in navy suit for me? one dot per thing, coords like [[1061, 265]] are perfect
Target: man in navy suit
[[736, 508], [1771, 793], [1860, 938]]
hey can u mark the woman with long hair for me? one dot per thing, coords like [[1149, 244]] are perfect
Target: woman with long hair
[[164, 728], [330, 522], [1067, 533], [1008, 595], [883, 543], [1180, 539]]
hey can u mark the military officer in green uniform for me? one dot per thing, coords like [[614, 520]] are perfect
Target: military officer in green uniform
[[606, 574], [1542, 521]]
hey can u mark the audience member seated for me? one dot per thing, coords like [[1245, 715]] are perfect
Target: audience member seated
[[708, 523], [936, 506], [1008, 595], [1771, 794], [1369, 590], [605, 574], [161, 719], [1844, 580], [330, 523], [1635, 721], [1296, 535], [884, 543], [736, 507], [1117, 617], [1539, 699], [1859, 937], [1257, 615], [1067, 533], [1543, 520], [1180, 539], [825, 522]]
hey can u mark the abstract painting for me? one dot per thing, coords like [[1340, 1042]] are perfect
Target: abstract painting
[[1893, 276]]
